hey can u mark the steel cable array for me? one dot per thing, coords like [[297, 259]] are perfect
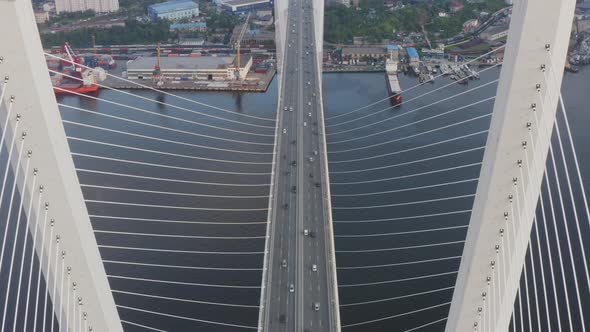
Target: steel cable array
[[554, 283], [178, 200], [403, 186]]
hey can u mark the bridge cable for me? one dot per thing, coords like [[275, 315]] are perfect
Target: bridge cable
[[402, 233], [188, 318], [163, 92], [28, 215], [571, 196], [397, 280], [107, 261], [396, 316], [398, 297], [420, 246], [532, 203], [169, 180], [158, 139], [4, 187], [420, 133], [182, 283], [414, 111], [539, 183], [167, 116], [412, 87], [64, 107], [408, 189], [13, 190], [41, 259], [409, 175], [178, 221], [142, 326], [405, 218], [410, 162], [519, 208], [167, 192], [410, 149], [8, 114], [185, 300], [183, 251], [563, 214], [514, 238], [402, 204], [47, 286], [427, 324], [570, 139], [21, 207], [180, 236], [398, 264], [35, 232], [535, 222], [126, 147], [170, 206], [53, 293], [154, 101], [126, 161]]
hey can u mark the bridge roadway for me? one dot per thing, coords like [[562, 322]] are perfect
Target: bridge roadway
[[300, 191]]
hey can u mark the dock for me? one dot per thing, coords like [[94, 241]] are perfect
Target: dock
[[259, 85]]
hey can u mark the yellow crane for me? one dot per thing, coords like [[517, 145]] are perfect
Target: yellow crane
[[239, 45]]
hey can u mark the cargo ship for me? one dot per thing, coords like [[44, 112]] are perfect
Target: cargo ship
[[69, 75], [393, 85]]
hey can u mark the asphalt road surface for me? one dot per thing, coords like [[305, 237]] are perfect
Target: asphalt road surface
[[300, 291]]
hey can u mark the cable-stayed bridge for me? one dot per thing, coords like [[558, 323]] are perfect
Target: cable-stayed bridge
[[122, 211]]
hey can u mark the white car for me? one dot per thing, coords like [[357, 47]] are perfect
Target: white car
[[284, 130], [305, 124], [309, 114], [309, 103], [316, 306], [306, 232], [314, 268], [291, 288]]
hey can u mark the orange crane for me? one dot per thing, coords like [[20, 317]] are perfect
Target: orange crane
[[157, 73], [239, 45]]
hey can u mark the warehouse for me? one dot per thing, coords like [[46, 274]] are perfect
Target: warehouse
[[245, 6], [174, 10], [207, 68]]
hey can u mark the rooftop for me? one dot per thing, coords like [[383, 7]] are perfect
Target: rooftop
[[363, 50], [412, 53], [181, 63], [174, 5], [243, 2]]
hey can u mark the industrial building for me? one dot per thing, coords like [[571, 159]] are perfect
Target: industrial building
[[99, 6], [192, 26], [362, 54], [173, 10], [205, 68], [245, 6], [413, 56], [494, 33]]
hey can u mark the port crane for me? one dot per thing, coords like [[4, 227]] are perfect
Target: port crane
[[238, 44], [157, 73]]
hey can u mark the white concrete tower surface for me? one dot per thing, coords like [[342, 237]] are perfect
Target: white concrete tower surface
[[35, 116], [536, 27]]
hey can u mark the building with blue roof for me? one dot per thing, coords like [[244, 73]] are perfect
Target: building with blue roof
[[174, 10], [413, 54]]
